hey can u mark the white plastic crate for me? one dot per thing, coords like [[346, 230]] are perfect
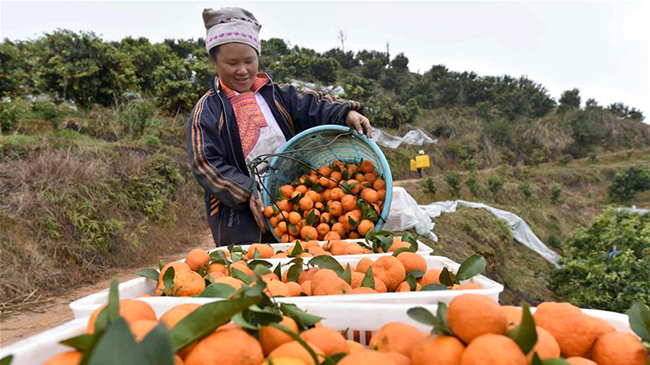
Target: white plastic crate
[[37, 349], [131, 289]]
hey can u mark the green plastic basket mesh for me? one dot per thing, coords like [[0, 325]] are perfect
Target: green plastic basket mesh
[[308, 147]]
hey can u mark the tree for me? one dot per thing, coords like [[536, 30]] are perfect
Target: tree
[[570, 99], [324, 69], [342, 36], [400, 63], [84, 69], [372, 69]]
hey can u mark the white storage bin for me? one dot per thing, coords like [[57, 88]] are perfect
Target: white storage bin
[[130, 289], [341, 316]]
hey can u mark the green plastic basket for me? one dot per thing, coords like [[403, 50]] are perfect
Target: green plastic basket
[[349, 148]]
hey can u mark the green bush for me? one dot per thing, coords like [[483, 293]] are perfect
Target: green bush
[[428, 186], [473, 184], [152, 140], [137, 117], [453, 179], [10, 113], [49, 111], [526, 190], [556, 194], [605, 266], [495, 184], [593, 156], [634, 180], [554, 241], [565, 159]]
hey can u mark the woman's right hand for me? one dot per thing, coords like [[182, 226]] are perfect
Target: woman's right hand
[[257, 207]]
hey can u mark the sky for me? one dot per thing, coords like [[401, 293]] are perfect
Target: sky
[[601, 48]]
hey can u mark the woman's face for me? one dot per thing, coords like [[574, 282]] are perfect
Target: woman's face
[[236, 65]]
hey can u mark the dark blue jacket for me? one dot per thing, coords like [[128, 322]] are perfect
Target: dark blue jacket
[[217, 159]]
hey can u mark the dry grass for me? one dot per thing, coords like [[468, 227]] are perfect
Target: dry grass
[[66, 216]]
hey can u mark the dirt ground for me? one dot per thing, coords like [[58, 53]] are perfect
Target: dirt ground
[[18, 325]]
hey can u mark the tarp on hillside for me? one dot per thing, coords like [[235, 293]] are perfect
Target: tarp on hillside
[[405, 213], [414, 137]]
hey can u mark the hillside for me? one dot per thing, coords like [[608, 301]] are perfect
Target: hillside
[[93, 171], [583, 184]]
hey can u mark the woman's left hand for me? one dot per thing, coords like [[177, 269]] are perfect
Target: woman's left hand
[[358, 122]]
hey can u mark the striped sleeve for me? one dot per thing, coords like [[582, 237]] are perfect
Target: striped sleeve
[[206, 152], [310, 108]]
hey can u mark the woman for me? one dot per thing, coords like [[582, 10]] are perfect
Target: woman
[[242, 116]]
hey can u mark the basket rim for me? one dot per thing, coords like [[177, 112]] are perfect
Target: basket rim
[[388, 176]]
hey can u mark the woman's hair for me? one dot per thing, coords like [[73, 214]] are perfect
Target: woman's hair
[[213, 53]]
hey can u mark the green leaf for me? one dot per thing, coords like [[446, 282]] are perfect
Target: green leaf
[[400, 250], [297, 249], [238, 274], [117, 336], [261, 270], [168, 280], [148, 273], [302, 342], [302, 318], [218, 290], [536, 360], [345, 175], [294, 272], [327, 262], [254, 264], [82, 343], [422, 315], [158, 346], [407, 237], [352, 222], [265, 316], [256, 254], [311, 218], [114, 301], [256, 289], [417, 273], [6, 360], [205, 319], [441, 315], [278, 270], [241, 320], [368, 279], [334, 359], [472, 266], [446, 277], [525, 334], [639, 318], [554, 361], [410, 280], [219, 256], [347, 274], [433, 287], [161, 265]]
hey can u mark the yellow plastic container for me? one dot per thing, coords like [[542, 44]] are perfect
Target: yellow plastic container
[[422, 162], [413, 165]]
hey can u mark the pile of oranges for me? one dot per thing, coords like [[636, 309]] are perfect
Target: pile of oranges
[[314, 248], [339, 201], [389, 274], [479, 327]]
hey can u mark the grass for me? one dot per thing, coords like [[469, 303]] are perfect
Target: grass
[[73, 207], [523, 272]]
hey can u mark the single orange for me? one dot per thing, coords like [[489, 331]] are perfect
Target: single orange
[[473, 315]]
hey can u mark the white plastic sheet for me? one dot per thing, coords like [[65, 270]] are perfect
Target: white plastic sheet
[[405, 213], [414, 137]]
